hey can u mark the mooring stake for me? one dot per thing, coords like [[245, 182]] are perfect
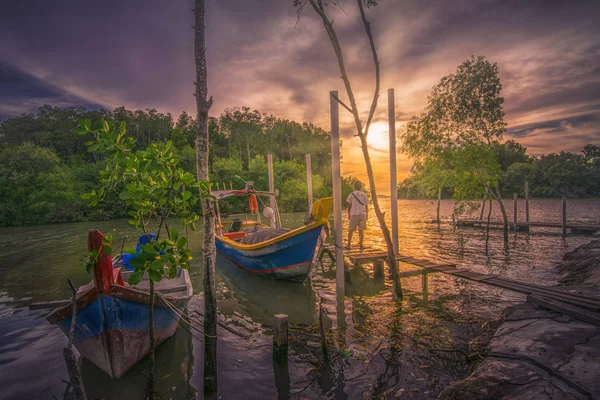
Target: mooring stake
[[280, 338]]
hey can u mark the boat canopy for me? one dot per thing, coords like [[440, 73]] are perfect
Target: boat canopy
[[223, 194]]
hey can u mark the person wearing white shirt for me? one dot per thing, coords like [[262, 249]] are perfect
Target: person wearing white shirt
[[358, 211]]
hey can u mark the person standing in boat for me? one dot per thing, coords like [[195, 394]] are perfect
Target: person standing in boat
[[358, 212]]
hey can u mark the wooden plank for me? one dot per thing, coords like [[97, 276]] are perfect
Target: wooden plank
[[535, 224], [483, 277], [416, 272], [571, 311], [455, 270], [444, 268]]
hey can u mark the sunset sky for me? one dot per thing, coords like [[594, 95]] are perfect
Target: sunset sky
[[140, 54]]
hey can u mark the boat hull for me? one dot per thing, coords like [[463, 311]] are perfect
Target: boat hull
[[288, 259], [112, 331]]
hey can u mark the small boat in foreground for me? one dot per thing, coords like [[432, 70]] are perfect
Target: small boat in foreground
[[112, 322], [269, 250]]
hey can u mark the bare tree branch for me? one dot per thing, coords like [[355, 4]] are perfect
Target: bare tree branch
[[367, 26]]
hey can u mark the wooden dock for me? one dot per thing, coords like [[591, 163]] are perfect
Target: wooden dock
[[584, 308], [574, 227]]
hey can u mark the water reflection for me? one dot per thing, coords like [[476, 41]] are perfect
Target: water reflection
[[174, 364], [262, 298]]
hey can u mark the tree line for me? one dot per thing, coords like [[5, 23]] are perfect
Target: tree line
[[45, 167], [563, 174]]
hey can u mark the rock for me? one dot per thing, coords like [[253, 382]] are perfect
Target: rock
[[540, 354]]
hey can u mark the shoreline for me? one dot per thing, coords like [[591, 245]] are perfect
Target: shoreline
[[539, 353]]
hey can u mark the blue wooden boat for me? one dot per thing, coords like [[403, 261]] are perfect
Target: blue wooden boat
[[112, 321], [289, 255]]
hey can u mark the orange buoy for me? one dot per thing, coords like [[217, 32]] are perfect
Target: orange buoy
[[253, 203]]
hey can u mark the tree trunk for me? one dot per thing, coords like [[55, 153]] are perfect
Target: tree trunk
[[498, 196], [335, 43], [503, 209], [208, 244]]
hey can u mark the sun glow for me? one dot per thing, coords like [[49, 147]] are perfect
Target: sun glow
[[378, 136]]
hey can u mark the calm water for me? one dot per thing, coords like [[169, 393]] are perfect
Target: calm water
[[365, 325]]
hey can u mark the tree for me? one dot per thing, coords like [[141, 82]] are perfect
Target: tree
[[463, 122], [208, 219], [153, 188], [511, 152], [319, 6], [36, 187]]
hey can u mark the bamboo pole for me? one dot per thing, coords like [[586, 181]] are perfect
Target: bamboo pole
[[337, 191], [564, 216], [309, 182], [526, 201], [515, 225], [393, 170]]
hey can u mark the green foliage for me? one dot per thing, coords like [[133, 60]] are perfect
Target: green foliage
[[36, 187], [454, 140], [348, 187], [552, 175], [153, 187], [240, 139]]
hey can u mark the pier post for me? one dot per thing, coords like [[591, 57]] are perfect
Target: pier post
[[438, 205], [337, 191], [515, 225], [393, 171], [564, 216], [280, 338], [526, 201], [309, 182], [378, 273]]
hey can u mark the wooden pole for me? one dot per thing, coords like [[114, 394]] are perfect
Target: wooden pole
[[280, 338], [526, 201], [393, 171], [564, 216], [515, 197], [271, 181], [438, 205], [70, 360], [425, 286], [336, 179], [309, 182], [272, 204], [322, 332]]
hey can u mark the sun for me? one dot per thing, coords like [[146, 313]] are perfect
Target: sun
[[378, 136]]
